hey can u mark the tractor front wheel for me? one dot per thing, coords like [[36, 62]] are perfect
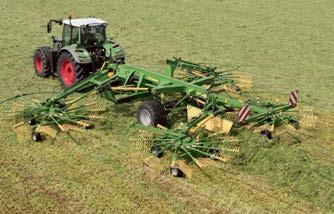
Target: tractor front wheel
[[151, 113], [41, 61], [69, 71]]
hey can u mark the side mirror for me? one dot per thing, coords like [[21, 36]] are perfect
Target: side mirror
[[49, 27], [59, 21]]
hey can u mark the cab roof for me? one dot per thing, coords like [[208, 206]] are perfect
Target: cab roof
[[84, 21]]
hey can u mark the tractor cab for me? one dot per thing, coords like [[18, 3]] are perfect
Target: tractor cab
[[87, 32]]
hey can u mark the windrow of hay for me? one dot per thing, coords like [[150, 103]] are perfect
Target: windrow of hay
[[288, 167]]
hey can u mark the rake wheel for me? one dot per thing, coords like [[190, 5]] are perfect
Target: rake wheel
[[36, 136], [176, 172], [266, 133]]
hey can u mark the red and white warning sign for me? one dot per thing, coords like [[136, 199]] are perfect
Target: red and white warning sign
[[293, 100], [244, 113]]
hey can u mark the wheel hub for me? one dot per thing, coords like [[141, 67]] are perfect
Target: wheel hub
[[39, 64], [67, 73]]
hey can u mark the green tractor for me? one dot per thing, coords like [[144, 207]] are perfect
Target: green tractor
[[81, 51]]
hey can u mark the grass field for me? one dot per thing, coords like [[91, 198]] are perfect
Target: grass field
[[282, 44]]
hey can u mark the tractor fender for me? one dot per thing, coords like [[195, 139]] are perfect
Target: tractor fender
[[80, 55], [114, 50]]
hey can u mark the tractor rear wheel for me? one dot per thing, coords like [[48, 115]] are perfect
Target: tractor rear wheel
[[69, 71], [151, 113], [42, 61]]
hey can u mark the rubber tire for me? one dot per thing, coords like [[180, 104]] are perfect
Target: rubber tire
[[79, 69], [36, 136], [176, 172], [156, 151], [156, 111], [45, 53], [32, 121], [266, 133]]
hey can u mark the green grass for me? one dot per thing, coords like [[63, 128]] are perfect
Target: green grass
[[283, 45]]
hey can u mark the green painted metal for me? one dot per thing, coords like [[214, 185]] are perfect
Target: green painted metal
[[80, 54], [160, 86]]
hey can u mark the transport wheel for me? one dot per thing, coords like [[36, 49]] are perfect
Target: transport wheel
[[151, 113], [36, 136], [69, 72], [156, 151], [41, 61], [176, 172], [266, 133]]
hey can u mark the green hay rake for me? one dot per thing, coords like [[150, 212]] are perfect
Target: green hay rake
[[210, 97]]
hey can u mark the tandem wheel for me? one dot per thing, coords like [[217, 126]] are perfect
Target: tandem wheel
[[151, 113]]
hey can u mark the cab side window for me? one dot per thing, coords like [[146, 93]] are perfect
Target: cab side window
[[67, 35], [75, 35]]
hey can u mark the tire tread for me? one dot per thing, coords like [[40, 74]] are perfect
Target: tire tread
[[156, 109]]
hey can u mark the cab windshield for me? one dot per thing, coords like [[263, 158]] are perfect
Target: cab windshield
[[93, 35]]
